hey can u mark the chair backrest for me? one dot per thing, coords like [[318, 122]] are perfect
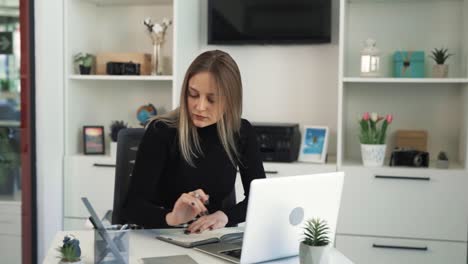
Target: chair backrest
[[127, 145]]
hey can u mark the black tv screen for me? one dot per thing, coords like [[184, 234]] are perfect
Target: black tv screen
[[269, 21]]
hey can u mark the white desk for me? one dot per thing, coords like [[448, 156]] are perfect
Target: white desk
[[144, 244]]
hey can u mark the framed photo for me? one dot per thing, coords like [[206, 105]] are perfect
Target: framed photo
[[314, 144], [93, 140]]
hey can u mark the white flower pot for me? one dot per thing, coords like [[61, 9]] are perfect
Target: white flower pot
[[113, 149], [442, 164], [440, 71], [373, 155], [312, 255]]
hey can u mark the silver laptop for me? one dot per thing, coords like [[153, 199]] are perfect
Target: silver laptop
[[276, 214]]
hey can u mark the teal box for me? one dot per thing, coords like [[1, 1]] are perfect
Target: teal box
[[409, 64]]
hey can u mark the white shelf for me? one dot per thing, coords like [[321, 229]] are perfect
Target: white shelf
[[122, 77], [453, 166], [129, 2], [404, 80]]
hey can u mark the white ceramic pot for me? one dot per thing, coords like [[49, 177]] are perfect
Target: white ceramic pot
[[440, 71], [373, 155], [312, 255], [442, 164]]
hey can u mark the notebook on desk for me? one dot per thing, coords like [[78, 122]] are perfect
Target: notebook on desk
[[177, 259], [276, 213], [207, 237]]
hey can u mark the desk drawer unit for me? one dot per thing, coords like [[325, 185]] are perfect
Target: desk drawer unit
[[405, 203], [92, 177], [371, 250]]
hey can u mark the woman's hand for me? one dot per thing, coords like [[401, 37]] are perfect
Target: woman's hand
[[187, 207], [209, 222]]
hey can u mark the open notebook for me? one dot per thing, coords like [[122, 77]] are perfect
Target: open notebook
[[227, 235], [177, 259]]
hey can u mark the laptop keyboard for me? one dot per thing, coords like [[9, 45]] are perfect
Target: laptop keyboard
[[235, 253]]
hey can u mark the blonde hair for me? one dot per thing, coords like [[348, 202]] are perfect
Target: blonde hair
[[226, 75]]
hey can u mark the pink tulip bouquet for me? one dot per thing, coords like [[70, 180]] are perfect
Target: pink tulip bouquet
[[371, 133]]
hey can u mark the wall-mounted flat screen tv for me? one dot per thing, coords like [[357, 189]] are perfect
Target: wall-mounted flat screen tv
[[269, 21]]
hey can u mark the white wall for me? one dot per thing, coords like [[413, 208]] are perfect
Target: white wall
[[49, 119], [288, 83]]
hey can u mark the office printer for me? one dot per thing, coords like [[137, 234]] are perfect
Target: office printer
[[278, 142]]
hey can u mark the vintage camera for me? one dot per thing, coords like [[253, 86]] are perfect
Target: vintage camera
[[409, 157], [123, 68]]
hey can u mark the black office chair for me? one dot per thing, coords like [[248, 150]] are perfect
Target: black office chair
[[127, 146]]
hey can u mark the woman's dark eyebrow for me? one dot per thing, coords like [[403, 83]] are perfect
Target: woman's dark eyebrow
[[191, 88]]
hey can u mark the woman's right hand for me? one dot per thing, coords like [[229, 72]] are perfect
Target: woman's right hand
[[187, 207]]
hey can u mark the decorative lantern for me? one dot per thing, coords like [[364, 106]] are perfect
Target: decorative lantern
[[370, 60]]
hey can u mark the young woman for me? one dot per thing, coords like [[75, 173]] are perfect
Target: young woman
[[187, 161]]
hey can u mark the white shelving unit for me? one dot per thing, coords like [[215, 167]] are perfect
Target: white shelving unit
[[432, 104], [398, 206], [117, 26], [94, 26]]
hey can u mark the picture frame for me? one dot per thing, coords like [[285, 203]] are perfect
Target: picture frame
[[93, 140], [314, 144]]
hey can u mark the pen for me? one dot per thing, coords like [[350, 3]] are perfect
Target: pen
[[114, 227]]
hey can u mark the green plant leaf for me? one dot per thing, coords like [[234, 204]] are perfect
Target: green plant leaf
[[376, 132], [316, 232]]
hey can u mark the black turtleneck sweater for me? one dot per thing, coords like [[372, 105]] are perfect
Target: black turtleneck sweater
[[161, 175]]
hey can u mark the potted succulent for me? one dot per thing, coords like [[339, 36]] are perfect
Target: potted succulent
[[372, 138], [70, 251], [115, 127], [440, 69], [315, 243], [84, 61], [442, 161]]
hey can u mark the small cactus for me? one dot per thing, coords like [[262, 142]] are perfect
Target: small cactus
[[440, 55], [442, 156]]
